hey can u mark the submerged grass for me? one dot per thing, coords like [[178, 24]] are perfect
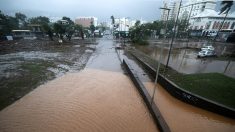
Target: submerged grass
[[32, 74], [213, 86]]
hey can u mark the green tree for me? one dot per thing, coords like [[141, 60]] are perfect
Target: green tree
[[68, 19], [21, 19], [39, 20], [7, 24], [64, 28], [138, 33], [113, 20], [80, 29], [92, 27], [59, 29], [69, 28], [45, 24]]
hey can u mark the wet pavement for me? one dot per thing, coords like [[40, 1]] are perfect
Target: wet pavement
[[105, 57]]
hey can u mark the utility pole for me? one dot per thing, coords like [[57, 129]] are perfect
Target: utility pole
[[173, 37], [160, 59], [125, 30]]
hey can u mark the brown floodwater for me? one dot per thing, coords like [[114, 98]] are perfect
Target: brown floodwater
[[186, 61], [184, 117], [91, 100]]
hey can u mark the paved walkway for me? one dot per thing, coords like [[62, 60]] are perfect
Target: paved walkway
[[99, 98]]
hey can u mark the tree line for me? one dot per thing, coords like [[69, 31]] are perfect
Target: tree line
[[62, 29]]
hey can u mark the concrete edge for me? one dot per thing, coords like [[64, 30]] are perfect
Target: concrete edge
[[155, 112], [187, 96]]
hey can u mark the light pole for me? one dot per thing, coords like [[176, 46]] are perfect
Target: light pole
[[125, 29], [173, 37], [160, 59]]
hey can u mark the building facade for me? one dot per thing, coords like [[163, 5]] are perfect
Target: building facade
[[194, 7], [86, 21], [173, 5], [210, 20]]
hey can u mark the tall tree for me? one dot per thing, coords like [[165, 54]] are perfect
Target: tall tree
[[68, 19], [39, 20], [113, 20], [92, 27], [226, 6], [80, 29], [22, 19], [7, 24], [45, 24], [59, 29]]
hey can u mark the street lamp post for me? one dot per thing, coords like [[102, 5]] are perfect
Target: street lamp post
[[173, 37], [160, 59], [125, 29]]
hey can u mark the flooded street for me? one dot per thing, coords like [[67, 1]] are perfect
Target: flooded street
[[179, 115], [100, 98], [94, 66], [105, 57], [185, 117], [186, 61], [92, 100]]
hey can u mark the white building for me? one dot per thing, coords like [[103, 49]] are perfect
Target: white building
[[86, 21], [173, 5], [164, 13], [203, 17], [194, 7], [210, 20]]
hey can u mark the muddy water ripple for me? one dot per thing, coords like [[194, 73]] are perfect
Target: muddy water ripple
[[91, 100]]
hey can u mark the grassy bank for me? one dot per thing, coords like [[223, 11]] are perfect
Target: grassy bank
[[30, 75], [213, 86]]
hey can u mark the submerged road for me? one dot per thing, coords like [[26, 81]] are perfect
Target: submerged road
[[102, 98], [99, 98]]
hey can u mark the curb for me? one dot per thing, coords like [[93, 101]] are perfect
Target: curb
[[155, 112], [187, 96]]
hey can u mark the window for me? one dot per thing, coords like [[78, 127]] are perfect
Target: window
[[232, 26], [208, 25], [214, 25]]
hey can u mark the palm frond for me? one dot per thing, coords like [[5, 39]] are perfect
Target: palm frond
[[226, 6]]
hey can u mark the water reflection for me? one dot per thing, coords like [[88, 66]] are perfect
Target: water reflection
[[186, 61]]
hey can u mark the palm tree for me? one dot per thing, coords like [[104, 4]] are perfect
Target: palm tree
[[226, 6], [113, 20]]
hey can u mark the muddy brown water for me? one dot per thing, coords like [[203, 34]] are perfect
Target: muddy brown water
[[184, 117], [186, 61], [92, 100]]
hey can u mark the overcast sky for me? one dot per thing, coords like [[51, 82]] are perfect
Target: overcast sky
[[102, 9]]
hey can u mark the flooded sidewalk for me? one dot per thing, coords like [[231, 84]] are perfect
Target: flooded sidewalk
[[99, 98], [179, 115], [185, 117]]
